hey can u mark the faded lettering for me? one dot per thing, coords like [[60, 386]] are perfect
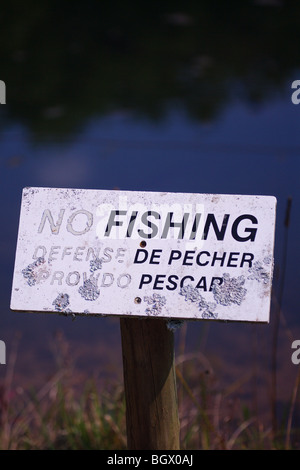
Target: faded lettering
[[107, 280], [123, 280], [88, 223], [57, 276], [73, 278], [79, 253], [53, 253], [48, 216]]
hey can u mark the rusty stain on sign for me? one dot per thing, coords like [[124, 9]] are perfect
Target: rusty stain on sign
[[61, 303], [172, 255]]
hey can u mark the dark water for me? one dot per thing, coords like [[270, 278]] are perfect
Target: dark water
[[163, 100]]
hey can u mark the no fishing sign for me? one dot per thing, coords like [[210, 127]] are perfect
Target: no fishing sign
[[132, 253]]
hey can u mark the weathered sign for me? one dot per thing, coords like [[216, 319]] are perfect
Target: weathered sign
[[175, 255]]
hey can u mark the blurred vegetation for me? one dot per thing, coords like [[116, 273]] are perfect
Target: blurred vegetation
[[65, 62], [62, 415]]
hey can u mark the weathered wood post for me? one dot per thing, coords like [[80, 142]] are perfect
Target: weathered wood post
[[150, 384]]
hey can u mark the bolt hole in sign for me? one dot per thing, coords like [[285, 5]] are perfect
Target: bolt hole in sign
[[147, 254]]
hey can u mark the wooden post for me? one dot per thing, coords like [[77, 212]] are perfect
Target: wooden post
[[150, 384]]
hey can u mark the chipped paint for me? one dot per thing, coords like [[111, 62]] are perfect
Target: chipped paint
[[36, 272], [231, 291], [207, 310], [61, 303], [156, 303], [89, 290], [95, 264], [259, 271], [192, 295]]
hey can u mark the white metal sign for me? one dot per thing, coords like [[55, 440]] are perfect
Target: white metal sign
[[175, 255]]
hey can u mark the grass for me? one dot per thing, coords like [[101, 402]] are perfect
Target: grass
[[59, 416], [218, 419], [54, 419]]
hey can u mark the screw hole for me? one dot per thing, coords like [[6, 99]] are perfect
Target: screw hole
[[143, 244], [137, 300]]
